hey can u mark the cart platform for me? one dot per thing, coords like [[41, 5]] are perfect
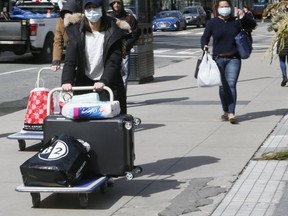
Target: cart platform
[[84, 187]]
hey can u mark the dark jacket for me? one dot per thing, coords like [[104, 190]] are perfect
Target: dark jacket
[[75, 62], [133, 36], [224, 33]]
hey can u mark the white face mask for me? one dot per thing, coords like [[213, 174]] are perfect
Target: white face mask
[[226, 11], [93, 14]]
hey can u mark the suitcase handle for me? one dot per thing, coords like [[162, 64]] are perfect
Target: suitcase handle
[[77, 88]]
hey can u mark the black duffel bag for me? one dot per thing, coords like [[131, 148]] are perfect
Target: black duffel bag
[[61, 163]]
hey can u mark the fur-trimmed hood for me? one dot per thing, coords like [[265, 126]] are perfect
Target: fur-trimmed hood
[[77, 17], [72, 19]]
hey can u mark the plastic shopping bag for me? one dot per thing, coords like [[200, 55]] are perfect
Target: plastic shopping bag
[[37, 109], [209, 74]]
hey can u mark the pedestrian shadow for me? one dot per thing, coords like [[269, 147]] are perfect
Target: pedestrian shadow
[[263, 114], [156, 101], [158, 178], [143, 127], [170, 166], [163, 91], [166, 78], [5, 135], [13, 106], [253, 79]]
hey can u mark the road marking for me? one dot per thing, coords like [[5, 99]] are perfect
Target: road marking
[[16, 71], [187, 52], [172, 56], [161, 50], [199, 33]]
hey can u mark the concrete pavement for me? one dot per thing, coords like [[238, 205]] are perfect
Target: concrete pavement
[[193, 163]]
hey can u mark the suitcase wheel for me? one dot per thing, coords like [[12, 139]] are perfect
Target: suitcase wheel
[[83, 198], [137, 121], [36, 199], [137, 170], [129, 176], [103, 187]]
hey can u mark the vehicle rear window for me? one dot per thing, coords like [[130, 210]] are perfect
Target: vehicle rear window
[[190, 10]]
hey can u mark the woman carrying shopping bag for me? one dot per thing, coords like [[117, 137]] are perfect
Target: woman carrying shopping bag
[[223, 30]]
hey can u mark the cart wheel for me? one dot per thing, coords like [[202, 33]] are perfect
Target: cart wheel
[[83, 198], [22, 145], [137, 169], [103, 187], [36, 199], [110, 182], [137, 121], [129, 176]]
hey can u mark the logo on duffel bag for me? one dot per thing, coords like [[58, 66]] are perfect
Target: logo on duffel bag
[[55, 152]]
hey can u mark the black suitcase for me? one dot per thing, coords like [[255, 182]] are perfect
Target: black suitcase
[[111, 141]]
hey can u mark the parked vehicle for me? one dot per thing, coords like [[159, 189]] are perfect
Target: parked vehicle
[[169, 20], [29, 28], [258, 9], [195, 15]]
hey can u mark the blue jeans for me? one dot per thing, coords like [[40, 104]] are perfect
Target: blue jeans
[[282, 60], [230, 70]]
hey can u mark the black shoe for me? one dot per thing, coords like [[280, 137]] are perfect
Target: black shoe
[[284, 81]]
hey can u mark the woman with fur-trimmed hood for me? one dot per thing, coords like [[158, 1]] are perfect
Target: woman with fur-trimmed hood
[[93, 56], [60, 38]]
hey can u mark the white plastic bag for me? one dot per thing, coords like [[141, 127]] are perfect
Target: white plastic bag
[[209, 74]]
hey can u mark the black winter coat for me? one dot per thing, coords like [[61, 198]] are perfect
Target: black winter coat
[[75, 60]]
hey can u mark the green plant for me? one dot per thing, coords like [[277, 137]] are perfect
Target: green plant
[[279, 24], [281, 155]]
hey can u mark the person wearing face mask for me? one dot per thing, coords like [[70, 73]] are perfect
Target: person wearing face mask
[[223, 30], [94, 54]]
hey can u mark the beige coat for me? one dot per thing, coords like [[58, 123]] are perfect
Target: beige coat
[[60, 37]]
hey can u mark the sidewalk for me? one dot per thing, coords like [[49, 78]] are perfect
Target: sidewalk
[[260, 189], [191, 160]]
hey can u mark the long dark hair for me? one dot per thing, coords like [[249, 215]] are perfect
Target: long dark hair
[[229, 2]]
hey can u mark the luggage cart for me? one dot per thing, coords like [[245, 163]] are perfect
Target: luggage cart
[[84, 186], [24, 135]]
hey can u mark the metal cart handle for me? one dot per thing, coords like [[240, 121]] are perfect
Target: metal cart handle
[[78, 88], [39, 75]]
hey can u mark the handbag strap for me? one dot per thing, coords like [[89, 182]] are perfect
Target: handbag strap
[[203, 53], [240, 23]]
